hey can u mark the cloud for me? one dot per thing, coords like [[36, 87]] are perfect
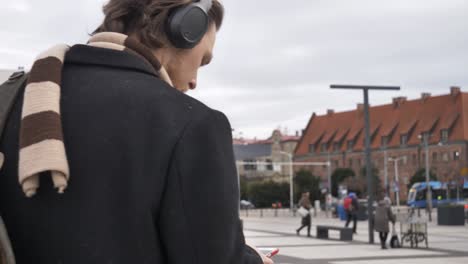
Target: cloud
[[19, 6], [274, 60]]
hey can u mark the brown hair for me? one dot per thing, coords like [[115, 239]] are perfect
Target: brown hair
[[147, 18]]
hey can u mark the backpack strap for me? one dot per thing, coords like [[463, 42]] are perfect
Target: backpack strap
[[6, 251], [8, 93]]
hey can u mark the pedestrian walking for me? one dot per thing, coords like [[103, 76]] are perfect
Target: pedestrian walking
[[306, 221], [351, 205], [383, 216]]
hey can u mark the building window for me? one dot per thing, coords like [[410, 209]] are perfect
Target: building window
[[269, 164], [350, 145], [336, 147], [456, 155], [403, 140], [415, 159], [251, 165], [311, 148], [324, 147], [350, 163], [384, 141], [434, 156], [444, 135]]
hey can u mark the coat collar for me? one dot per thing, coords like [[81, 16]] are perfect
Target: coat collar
[[84, 54]]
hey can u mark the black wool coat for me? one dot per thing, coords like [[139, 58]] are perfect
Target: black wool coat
[[152, 174]]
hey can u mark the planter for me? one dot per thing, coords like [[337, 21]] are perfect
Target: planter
[[451, 215]]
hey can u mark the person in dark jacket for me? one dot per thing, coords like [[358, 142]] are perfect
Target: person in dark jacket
[[383, 216], [352, 212], [144, 173], [306, 221]]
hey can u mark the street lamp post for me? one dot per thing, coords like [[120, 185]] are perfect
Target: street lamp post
[[329, 183], [291, 196], [425, 138], [387, 187], [370, 201], [397, 181]]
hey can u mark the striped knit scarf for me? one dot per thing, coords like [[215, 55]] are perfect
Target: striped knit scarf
[[42, 150]]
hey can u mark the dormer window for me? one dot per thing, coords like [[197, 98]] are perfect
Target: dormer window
[[350, 145], [384, 141], [336, 147], [324, 147], [444, 135], [311, 148], [404, 140]]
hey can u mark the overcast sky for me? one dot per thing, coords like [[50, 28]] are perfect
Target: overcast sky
[[274, 60]]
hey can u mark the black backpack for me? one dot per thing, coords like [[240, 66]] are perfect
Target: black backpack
[[8, 93]]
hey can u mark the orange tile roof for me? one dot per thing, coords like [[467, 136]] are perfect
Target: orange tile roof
[[402, 117]]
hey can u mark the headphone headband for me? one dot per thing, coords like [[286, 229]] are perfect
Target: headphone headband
[[205, 5]]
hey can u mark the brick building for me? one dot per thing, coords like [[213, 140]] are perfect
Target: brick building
[[266, 151], [396, 131]]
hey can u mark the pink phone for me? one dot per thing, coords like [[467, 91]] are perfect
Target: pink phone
[[269, 252]]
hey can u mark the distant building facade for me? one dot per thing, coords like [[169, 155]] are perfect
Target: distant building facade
[[265, 153], [396, 131]]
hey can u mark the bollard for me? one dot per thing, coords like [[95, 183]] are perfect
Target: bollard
[[247, 212], [276, 212], [261, 213]]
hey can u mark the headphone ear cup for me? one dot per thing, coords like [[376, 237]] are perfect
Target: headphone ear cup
[[186, 26]]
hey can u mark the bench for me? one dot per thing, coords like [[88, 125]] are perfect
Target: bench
[[346, 234]]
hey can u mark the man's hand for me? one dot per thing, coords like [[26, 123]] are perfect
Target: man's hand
[[266, 260]]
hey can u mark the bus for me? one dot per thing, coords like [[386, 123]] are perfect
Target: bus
[[441, 194]]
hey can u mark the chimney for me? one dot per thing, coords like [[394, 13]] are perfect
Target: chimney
[[398, 101], [297, 133], [330, 112], [455, 90], [425, 96]]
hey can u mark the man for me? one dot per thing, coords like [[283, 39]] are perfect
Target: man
[[351, 206], [137, 162]]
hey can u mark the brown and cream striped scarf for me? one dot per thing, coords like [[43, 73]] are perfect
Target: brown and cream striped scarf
[[42, 148]]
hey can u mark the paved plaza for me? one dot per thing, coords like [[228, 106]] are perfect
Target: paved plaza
[[448, 245]]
